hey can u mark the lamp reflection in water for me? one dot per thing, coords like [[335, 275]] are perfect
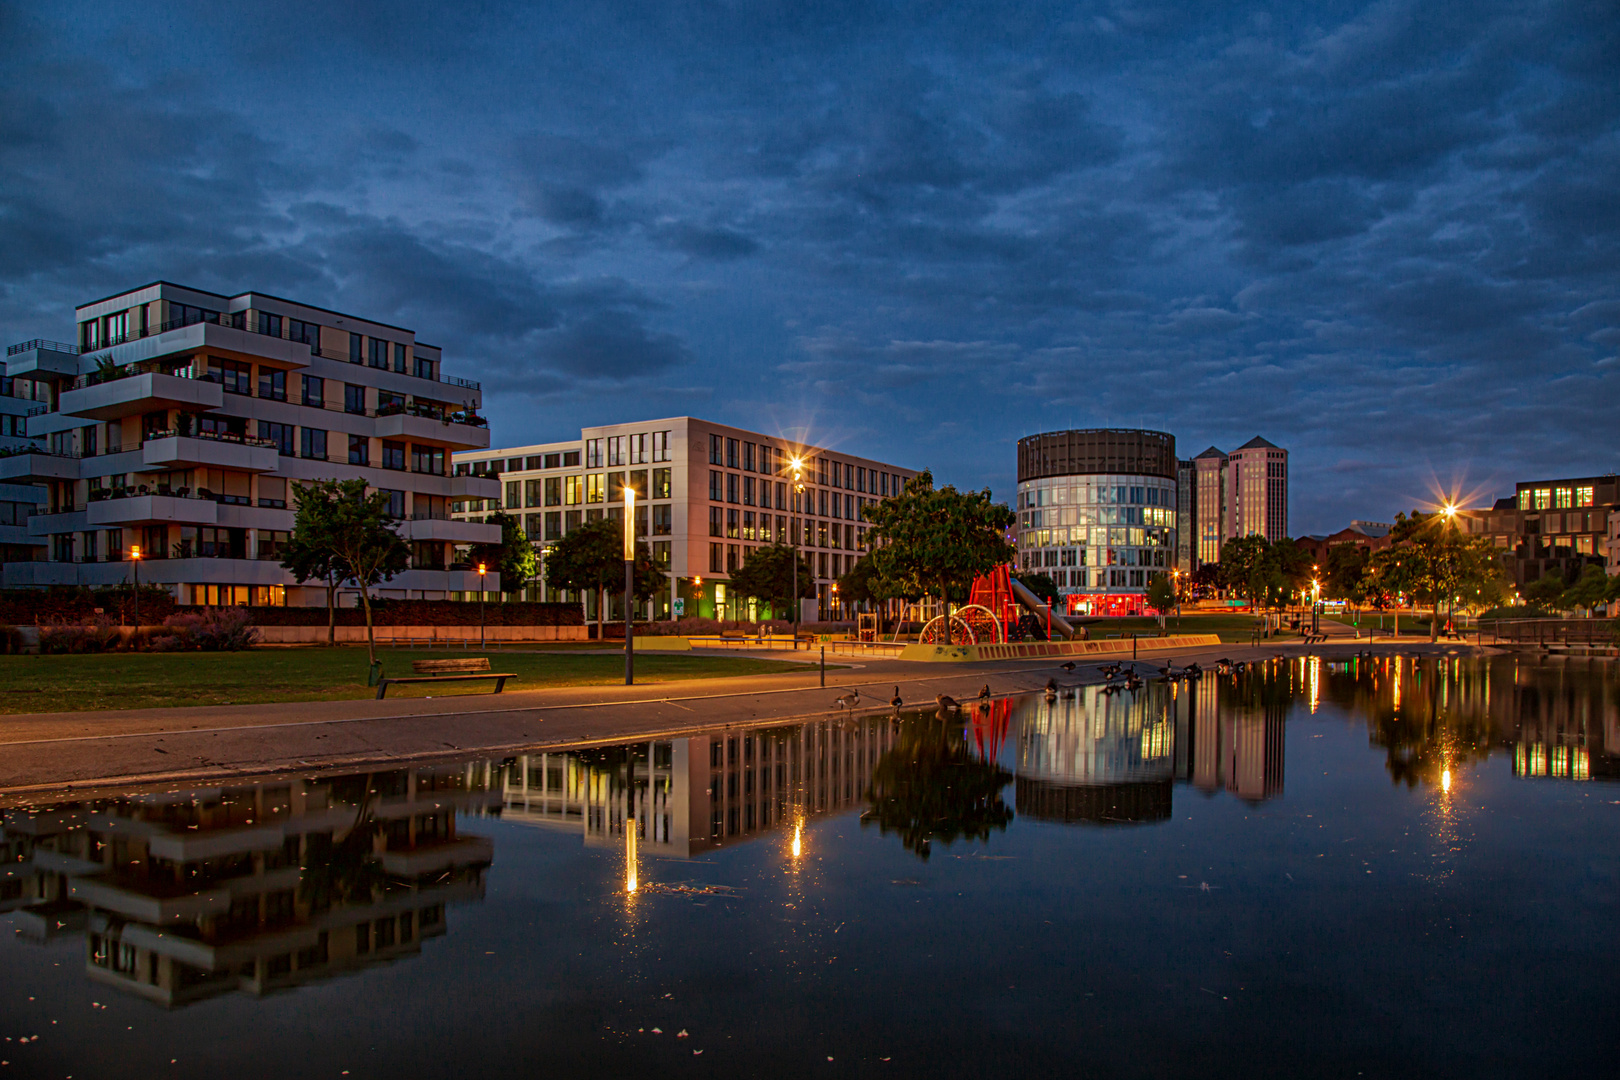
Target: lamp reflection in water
[[798, 839], [631, 881], [1445, 780]]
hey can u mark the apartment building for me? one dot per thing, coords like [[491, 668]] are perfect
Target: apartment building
[[708, 495], [18, 501], [1552, 527], [1237, 494], [177, 420]]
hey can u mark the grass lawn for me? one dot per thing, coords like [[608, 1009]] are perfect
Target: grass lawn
[[1231, 628], [155, 680]]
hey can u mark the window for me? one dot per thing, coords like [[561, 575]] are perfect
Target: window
[[748, 456], [731, 487], [314, 391], [767, 458], [731, 453], [849, 507], [553, 491], [594, 488], [781, 496], [1563, 498], [531, 493], [307, 333], [571, 520], [715, 483], [354, 348], [359, 450], [1583, 496], [731, 561], [280, 434], [716, 565], [615, 450], [312, 444], [377, 353], [661, 553], [615, 487], [574, 490], [715, 525], [389, 403], [660, 446], [427, 459], [638, 449], [514, 495], [662, 519], [393, 455], [399, 358], [821, 470], [748, 490], [860, 479], [424, 367], [715, 445], [570, 459], [396, 503], [883, 479], [235, 375], [731, 524], [554, 525], [354, 399], [660, 484], [821, 503], [748, 525], [593, 453]]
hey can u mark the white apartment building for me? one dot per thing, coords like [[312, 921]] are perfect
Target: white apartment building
[[178, 418], [709, 494]]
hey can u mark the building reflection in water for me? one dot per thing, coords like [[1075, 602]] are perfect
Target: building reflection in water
[[682, 797], [254, 886]]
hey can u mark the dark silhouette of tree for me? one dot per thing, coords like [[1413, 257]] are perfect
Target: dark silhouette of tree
[[931, 786]]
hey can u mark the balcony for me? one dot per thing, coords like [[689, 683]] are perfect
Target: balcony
[[156, 509], [473, 487], [42, 359], [451, 531], [136, 394], [173, 451], [452, 430], [38, 467]]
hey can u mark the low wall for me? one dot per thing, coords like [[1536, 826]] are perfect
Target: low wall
[[418, 635], [1028, 650]]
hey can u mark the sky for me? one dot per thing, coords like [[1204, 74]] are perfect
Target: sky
[[1385, 236]]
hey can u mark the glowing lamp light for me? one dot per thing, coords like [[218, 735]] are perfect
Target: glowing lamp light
[[135, 552], [1445, 780], [629, 524], [482, 569], [632, 881], [798, 840]]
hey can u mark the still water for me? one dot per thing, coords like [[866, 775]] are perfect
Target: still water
[[1397, 868]]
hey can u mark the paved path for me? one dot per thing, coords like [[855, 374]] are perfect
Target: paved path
[[46, 752]]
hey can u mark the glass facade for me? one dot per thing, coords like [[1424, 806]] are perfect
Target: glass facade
[[1101, 538]]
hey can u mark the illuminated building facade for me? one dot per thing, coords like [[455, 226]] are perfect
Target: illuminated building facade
[[1238, 494], [1097, 512], [1553, 527]]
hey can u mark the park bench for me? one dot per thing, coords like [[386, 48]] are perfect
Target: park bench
[[1315, 639], [473, 667]]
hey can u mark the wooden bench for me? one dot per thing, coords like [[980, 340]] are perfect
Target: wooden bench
[[1315, 639], [473, 667]]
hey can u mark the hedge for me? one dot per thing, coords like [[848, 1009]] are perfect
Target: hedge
[[30, 607]]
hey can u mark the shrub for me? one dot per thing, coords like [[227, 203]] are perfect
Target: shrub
[[11, 640], [99, 633], [1527, 611], [214, 629]]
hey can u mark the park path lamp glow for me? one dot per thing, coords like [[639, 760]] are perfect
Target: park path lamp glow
[[796, 463], [629, 576], [135, 574], [483, 568]]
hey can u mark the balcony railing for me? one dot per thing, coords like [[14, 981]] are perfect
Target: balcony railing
[[18, 451], [42, 343], [212, 436]]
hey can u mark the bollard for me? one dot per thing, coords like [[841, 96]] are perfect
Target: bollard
[[824, 665], [1133, 646]]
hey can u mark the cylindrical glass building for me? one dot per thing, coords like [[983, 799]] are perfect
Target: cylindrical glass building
[[1097, 514]]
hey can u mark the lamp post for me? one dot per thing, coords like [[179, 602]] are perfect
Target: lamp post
[[135, 573], [629, 599], [797, 464], [482, 570], [1316, 604]]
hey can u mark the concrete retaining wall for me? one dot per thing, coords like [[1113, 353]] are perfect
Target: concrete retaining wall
[[1034, 649], [418, 635]]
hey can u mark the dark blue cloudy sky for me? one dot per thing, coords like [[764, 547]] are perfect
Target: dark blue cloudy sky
[[1384, 235]]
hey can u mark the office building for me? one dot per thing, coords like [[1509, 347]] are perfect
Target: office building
[[177, 421], [1237, 494], [708, 495], [1097, 512]]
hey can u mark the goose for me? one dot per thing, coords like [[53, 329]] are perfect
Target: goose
[[1051, 688], [1067, 665], [895, 701], [984, 692], [946, 702], [851, 699]]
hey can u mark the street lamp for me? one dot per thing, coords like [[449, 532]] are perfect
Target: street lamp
[[629, 574], [797, 465], [135, 573], [837, 613], [482, 570]]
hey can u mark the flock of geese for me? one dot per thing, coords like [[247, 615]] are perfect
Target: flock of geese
[[1118, 678]]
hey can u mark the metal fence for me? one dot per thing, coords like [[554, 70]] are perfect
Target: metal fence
[[1552, 631]]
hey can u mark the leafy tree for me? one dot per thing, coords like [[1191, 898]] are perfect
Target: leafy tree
[[1042, 586], [1589, 590], [1206, 578], [311, 547], [591, 559], [1444, 563], [934, 541], [1547, 590], [368, 549], [768, 576], [1345, 575], [513, 558], [1161, 596]]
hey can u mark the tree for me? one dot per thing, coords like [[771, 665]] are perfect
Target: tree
[[1345, 575], [931, 786], [513, 558], [936, 541], [1443, 563], [1161, 596], [310, 547], [591, 559], [768, 576], [1547, 590], [368, 549], [1589, 590]]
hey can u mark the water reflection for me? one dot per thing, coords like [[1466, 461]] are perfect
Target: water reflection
[[933, 786], [256, 886]]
